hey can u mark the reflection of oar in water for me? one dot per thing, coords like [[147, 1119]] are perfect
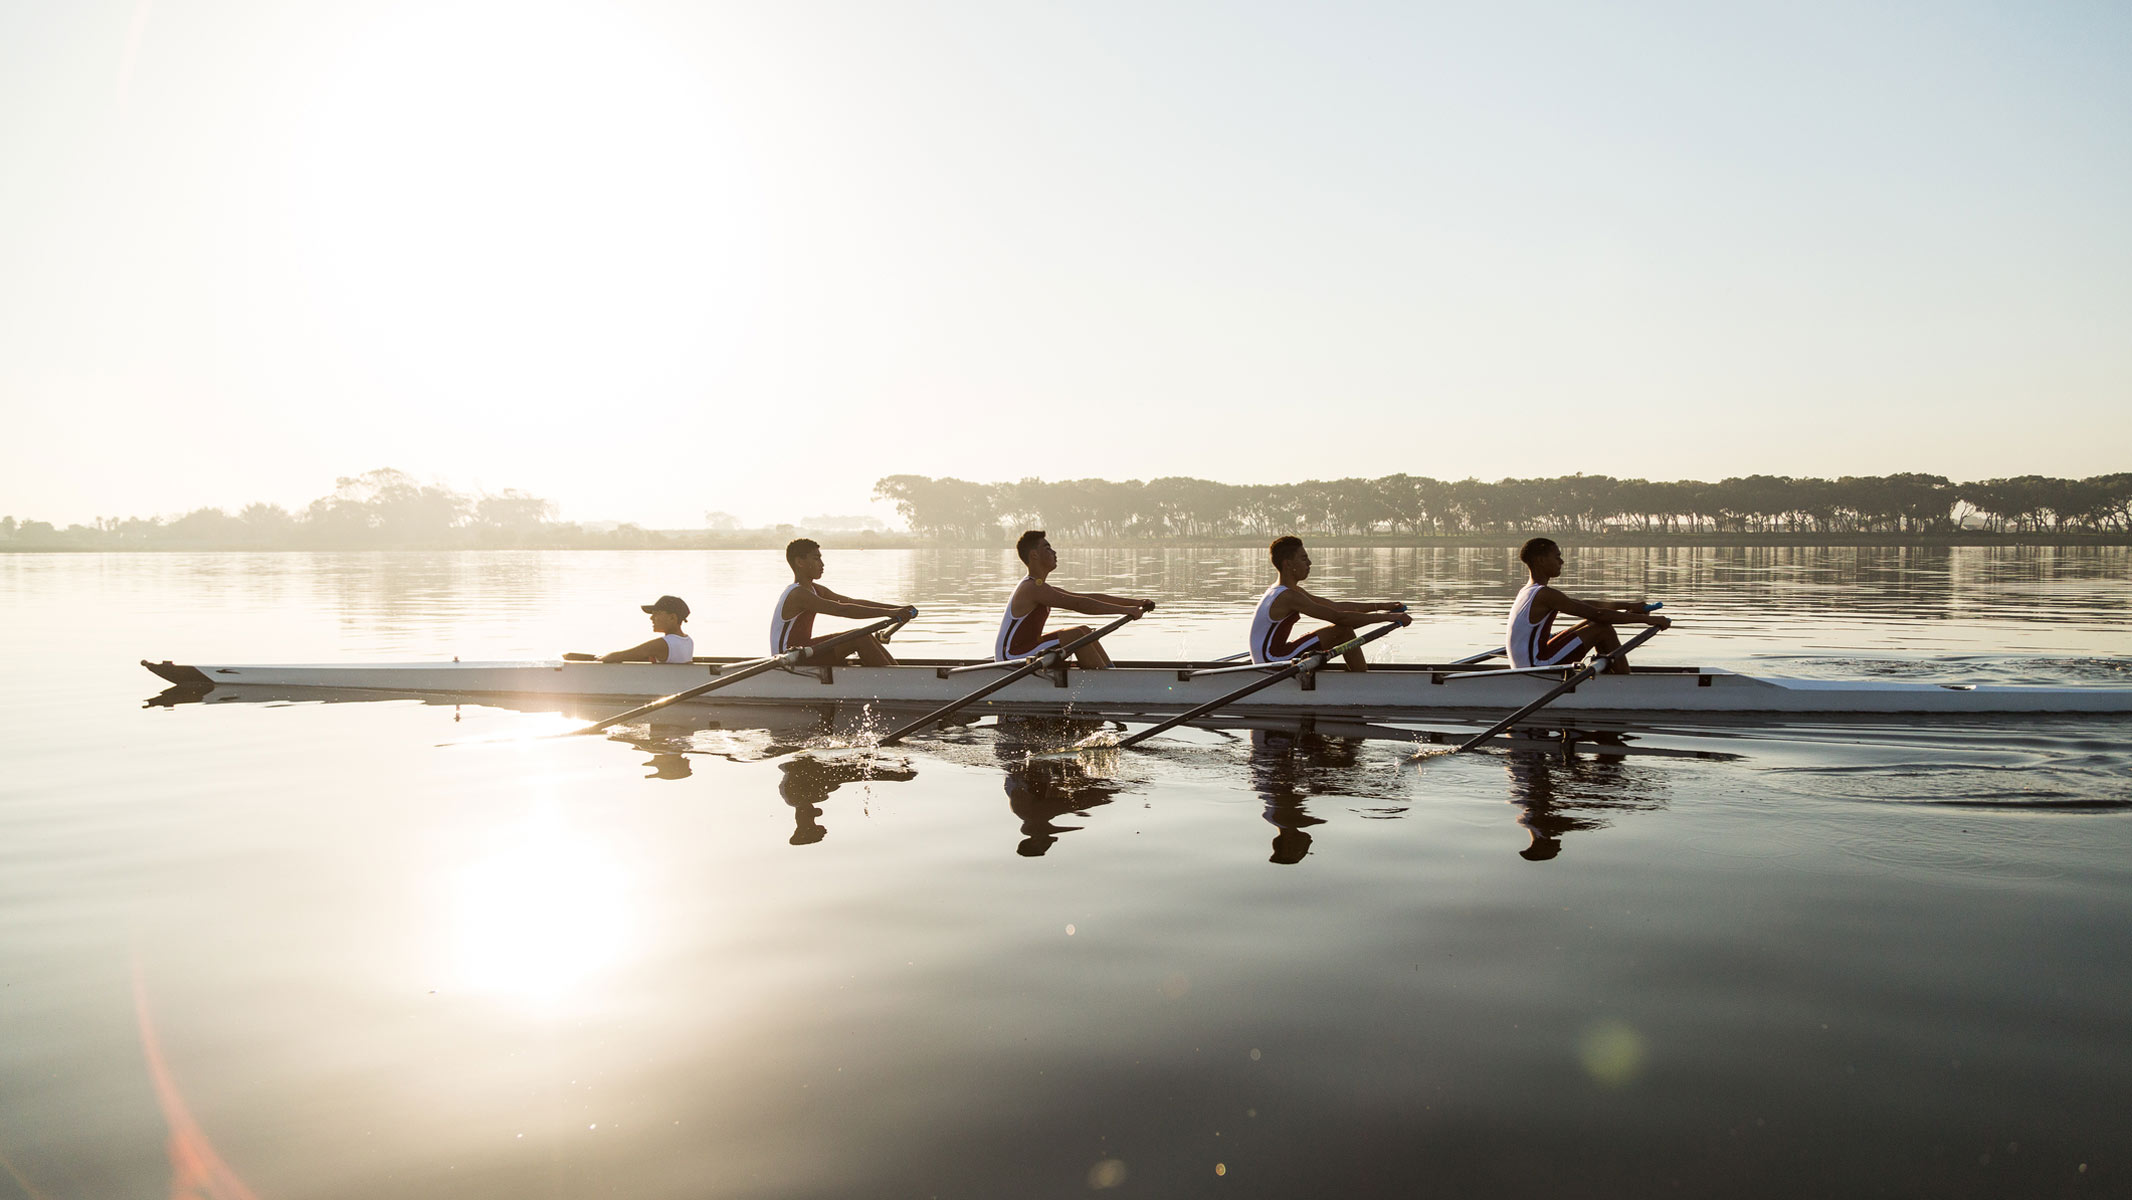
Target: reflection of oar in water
[[1589, 669], [1301, 662], [745, 671], [1034, 663]]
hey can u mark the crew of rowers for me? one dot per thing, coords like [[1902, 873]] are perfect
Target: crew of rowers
[[1531, 639]]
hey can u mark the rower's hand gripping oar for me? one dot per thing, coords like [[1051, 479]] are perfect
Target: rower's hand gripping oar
[[1313, 661], [749, 671], [1036, 662], [1589, 669]]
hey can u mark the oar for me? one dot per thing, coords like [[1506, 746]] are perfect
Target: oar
[[745, 671], [1311, 661], [1590, 669], [1036, 663]]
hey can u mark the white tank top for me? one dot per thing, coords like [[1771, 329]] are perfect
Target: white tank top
[[1012, 642], [1269, 638], [780, 624], [1525, 637], [680, 647]]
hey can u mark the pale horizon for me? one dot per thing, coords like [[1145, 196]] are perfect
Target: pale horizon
[[651, 261]]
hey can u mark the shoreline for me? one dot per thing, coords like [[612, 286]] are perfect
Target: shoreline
[[775, 540]]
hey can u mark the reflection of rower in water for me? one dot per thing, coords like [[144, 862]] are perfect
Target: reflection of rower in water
[[669, 766], [1547, 810], [808, 781], [1021, 627], [671, 646], [792, 619], [1287, 601], [1042, 789], [1281, 763], [1532, 641]]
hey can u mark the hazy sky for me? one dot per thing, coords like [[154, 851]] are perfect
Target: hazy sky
[[651, 259]]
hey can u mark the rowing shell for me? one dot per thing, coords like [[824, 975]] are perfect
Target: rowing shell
[[1383, 691]]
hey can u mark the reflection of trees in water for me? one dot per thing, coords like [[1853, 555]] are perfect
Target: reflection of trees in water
[[1559, 794], [1044, 785]]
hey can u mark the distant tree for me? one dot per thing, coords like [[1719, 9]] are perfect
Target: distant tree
[[267, 524], [720, 522], [206, 527], [2113, 501], [944, 508], [513, 511]]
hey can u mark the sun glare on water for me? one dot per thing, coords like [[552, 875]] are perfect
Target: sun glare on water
[[541, 917]]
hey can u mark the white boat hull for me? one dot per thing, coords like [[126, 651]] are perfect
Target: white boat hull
[[1382, 692]]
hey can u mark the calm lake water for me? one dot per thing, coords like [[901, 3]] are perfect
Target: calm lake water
[[301, 950]]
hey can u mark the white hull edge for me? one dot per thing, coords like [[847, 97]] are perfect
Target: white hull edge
[[1390, 689]]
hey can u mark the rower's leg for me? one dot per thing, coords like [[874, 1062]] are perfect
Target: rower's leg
[[1092, 655], [874, 654], [1333, 635], [1604, 640]]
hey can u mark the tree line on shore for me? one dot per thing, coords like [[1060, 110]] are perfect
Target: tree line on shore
[[376, 509], [389, 508], [956, 509]]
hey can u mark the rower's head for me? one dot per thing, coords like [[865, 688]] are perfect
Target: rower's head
[[804, 556], [1034, 549], [1542, 557], [1289, 557], [667, 613]]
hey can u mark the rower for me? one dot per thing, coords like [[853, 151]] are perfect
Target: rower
[[792, 620], [671, 646], [1532, 640], [1021, 627], [1286, 601]]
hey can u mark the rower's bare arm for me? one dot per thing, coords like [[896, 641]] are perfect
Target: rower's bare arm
[[831, 604], [1337, 612], [1602, 612], [1090, 604], [653, 651]]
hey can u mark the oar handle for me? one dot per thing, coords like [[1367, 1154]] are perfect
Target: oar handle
[[910, 613]]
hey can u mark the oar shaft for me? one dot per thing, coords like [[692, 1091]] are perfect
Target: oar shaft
[[1036, 663], [1309, 662], [1590, 669]]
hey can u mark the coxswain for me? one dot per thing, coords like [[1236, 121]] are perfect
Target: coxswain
[[671, 646]]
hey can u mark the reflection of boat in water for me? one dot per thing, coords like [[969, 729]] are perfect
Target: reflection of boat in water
[[1383, 692]]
